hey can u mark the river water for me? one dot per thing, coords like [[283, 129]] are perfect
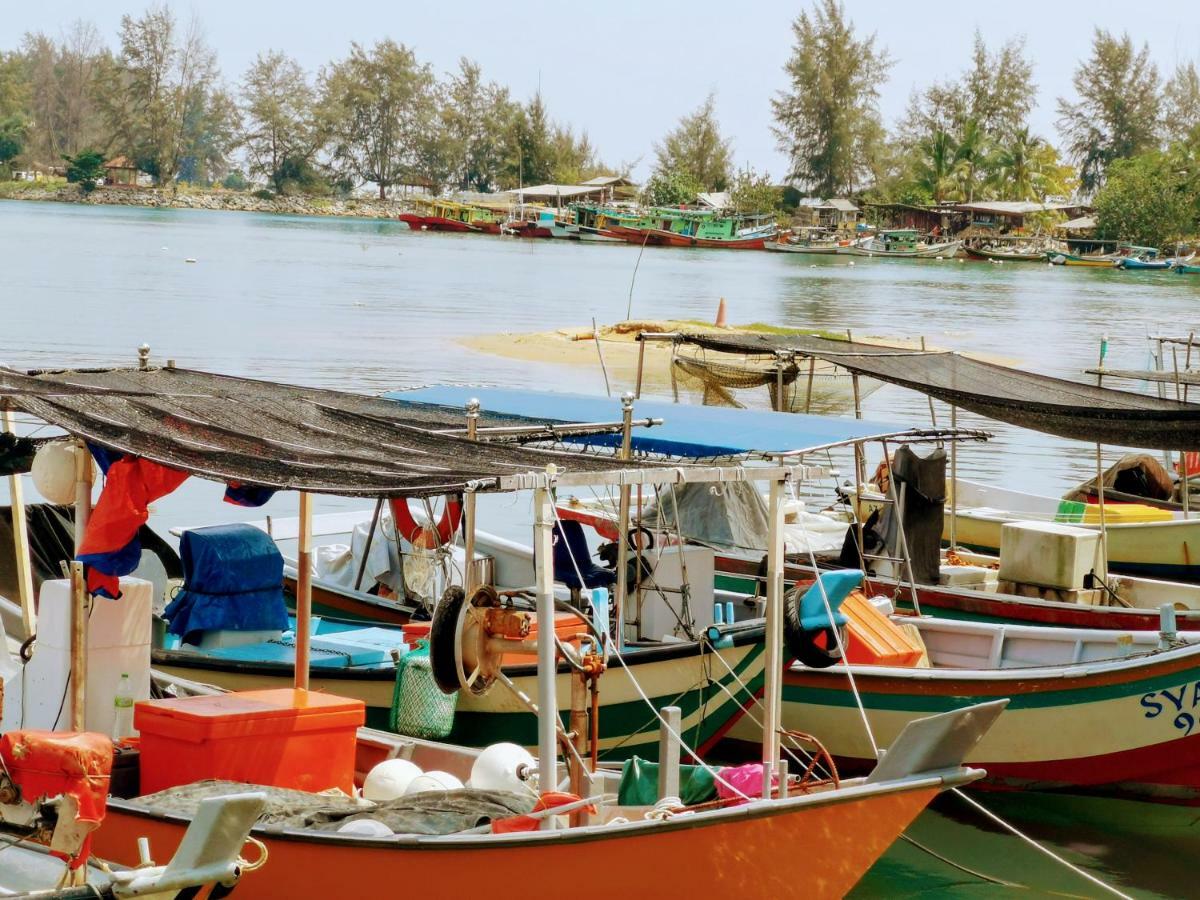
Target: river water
[[369, 306]]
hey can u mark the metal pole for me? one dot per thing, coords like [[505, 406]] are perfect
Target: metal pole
[[625, 612], [932, 414], [304, 592], [543, 517], [362, 566], [79, 641], [469, 504], [1103, 546], [774, 633], [953, 480], [20, 527]]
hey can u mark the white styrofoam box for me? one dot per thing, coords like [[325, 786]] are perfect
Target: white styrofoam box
[[659, 612], [118, 643], [955, 575], [1047, 554]]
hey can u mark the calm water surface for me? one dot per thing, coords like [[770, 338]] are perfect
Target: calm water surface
[[369, 306]]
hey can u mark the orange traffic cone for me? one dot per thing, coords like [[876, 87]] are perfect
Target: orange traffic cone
[[720, 323]]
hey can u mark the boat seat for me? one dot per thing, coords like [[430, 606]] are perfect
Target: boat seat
[[232, 585], [571, 554]]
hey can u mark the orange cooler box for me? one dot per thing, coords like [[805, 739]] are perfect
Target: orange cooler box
[[284, 738]]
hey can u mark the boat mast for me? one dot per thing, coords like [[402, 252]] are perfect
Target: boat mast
[[774, 633], [543, 553]]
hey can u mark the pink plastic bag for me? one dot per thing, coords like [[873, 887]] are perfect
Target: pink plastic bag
[[748, 779]]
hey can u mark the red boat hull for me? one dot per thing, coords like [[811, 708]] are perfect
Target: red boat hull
[[435, 223], [660, 238]]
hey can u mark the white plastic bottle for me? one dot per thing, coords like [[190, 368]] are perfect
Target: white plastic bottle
[[123, 709]]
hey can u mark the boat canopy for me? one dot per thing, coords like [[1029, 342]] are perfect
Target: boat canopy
[[251, 433], [1057, 406], [689, 432]]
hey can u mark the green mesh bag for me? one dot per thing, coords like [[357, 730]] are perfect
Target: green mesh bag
[[419, 708]]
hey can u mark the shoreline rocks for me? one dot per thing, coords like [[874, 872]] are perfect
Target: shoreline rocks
[[228, 201]]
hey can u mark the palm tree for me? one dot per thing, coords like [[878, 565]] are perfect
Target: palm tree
[[971, 157], [935, 169], [1018, 166]]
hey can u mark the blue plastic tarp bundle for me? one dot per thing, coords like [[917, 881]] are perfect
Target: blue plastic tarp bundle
[[232, 580]]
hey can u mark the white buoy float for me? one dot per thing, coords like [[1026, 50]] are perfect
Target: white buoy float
[[433, 781], [389, 780], [502, 767], [54, 472], [366, 828]]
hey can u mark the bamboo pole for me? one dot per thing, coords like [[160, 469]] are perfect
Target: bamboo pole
[[304, 592], [469, 504], [774, 634], [600, 353], [812, 371], [20, 527], [79, 642]]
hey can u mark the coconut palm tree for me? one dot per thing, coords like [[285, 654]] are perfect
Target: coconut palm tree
[[935, 166], [1018, 164], [971, 158]]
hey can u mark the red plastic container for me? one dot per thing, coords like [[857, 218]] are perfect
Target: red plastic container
[[284, 738]]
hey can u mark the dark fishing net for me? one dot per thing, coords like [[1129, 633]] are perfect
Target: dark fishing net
[[1042, 403], [431, 812], [279, 436]]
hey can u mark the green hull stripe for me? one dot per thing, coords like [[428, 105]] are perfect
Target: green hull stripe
[[1081, 693]]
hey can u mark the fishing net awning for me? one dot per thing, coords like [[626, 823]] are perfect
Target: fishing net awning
[[688, 432], [284, 437], [1056, 406]]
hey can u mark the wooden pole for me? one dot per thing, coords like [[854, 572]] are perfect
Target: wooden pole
[[20, 527], [79, 641], [812, 371], [774, 634], [83, 491], [641, 366], [304, 592], [600, 353], [469, 505]]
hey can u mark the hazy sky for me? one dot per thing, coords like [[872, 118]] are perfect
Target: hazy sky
[[626, 70]]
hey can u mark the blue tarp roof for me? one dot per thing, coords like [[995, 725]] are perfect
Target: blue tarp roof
[[687, 431]]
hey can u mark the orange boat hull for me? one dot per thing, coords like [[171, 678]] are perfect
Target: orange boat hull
[[815, 850]]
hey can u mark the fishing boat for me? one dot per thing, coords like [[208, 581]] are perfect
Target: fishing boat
[[697, 228], [1089, 711], [1138, 263], [901, 243], [743, 843], [1187, 269], [818, 241], [1059, 258], [448, 215], [1006, 250]]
